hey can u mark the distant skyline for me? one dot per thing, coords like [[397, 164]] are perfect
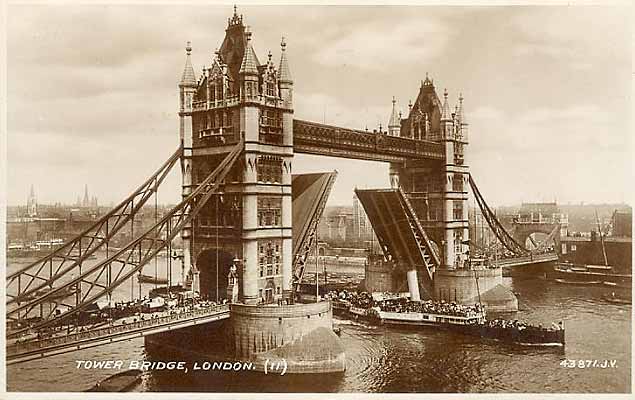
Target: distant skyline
[[92, 95]]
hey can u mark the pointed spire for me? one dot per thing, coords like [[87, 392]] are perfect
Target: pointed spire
[[284, 73], [445, 111], [249, 65], [461, 112], [235, 19], [188, 79], [395, 120], [32, 191], [428, 81]]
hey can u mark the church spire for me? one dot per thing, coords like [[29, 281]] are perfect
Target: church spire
[[284, 73], [188, 79]]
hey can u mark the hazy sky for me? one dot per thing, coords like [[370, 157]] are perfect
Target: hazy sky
[[93, 97]]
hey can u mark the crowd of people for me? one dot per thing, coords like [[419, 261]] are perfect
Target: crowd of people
[[355, 299], [506, 324], [124, 313], [396, 303], [431, 307]]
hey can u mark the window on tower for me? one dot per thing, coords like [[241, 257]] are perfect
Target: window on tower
[[457, 182], [269, 211], [269, 258], [269, 169], [458, 209], [271, 88]]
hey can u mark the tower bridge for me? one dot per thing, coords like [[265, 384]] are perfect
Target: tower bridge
[[247, 223]]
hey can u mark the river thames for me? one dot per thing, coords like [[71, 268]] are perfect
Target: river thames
[[383, 359]]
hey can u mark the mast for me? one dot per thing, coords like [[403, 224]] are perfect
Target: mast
[[317, 272], [478, 290], [597, 219]]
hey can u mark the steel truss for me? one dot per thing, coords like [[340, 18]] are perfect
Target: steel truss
[[131, 258], [503, 236], [309, 239], [430, 256], [542, 244], [24, 284]]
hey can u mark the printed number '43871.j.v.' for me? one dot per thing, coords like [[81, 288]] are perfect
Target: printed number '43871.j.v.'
[[588, 363]]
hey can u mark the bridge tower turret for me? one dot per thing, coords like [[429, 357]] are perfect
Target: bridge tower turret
[[187, 90], [455, 176], [447, 136], [459, 161], [394, 124], [285, 82]]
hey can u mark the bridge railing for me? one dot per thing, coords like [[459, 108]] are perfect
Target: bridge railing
[[20, 347]]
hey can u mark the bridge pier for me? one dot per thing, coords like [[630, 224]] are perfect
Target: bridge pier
[[465, 286], [301, 334], [413, 285]]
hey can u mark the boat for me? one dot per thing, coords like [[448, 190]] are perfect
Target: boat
[[576, 282], [602, 258], [617, 299], [121, 382], [151, 279], [468, 320], [340, 308], [589, 275]]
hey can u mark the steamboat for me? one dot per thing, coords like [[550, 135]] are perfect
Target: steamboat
[[468, 320]]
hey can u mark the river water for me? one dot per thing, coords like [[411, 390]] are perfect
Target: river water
[[383, 359]]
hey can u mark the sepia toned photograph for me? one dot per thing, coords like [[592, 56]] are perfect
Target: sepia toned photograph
[[217, 198]]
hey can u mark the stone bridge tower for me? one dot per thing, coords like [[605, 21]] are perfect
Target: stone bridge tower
[[237, 97], [437, 190]]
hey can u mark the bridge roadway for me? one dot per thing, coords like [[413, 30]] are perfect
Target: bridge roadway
[[40, 348], [527, 260]]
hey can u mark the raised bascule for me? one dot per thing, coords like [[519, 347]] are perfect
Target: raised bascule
[[247, 224]]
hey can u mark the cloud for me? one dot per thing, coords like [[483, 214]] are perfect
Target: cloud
[[570, 37], [374, 46], [577, 127], [361, 114], [92, 90]]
